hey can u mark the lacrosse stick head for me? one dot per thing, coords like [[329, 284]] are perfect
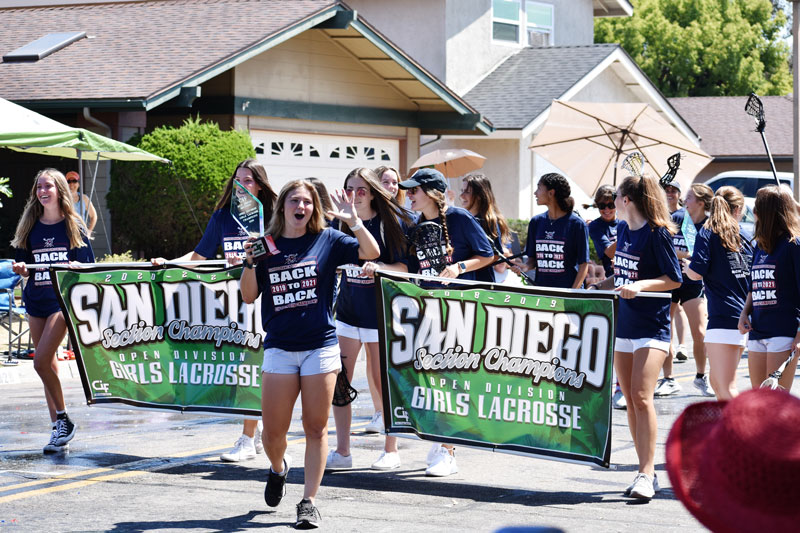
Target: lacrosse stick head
[[673, 164], [426, 238], [772, 382], [755, 109], [343, 392], [634, 163]]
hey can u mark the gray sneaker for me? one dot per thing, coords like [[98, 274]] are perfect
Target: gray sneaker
[[666, 387], [656, 487], [618, 400], [703, 386]]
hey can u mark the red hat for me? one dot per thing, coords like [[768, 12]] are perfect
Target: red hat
[[736, 465]]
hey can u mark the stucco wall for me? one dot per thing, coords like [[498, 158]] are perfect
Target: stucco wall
[[574, 22]]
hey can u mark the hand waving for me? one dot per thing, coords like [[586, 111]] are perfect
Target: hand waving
[[345, 210]]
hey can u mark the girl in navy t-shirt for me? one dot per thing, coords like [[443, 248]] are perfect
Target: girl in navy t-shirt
[[356, 309], [558, 239], [466, 249], [50, 232], [644, 261], [772, 309], [477, 198], [603, 230], [224, 232], [722, 258], [301, 354]]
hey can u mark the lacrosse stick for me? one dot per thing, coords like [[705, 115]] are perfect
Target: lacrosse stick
[[526, 278], [426, 238], [772, 381], [343, 392], [673, 164], [634, 163], [755, 109]]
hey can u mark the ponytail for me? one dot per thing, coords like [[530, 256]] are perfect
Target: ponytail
[[558, 183], [439, 198], [649, 198], [722, 222]]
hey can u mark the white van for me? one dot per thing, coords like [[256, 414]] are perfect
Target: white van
[[748, 181]]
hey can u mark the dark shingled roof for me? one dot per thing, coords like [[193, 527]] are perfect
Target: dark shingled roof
[[525, 84], [137, 50], [726, 130]]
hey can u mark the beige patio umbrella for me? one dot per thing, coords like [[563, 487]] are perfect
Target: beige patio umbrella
[[588, 140], [451, 162]]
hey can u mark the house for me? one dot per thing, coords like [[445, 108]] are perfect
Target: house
[[729, 134]]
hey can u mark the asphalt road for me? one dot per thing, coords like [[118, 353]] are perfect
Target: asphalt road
[[142, 471]]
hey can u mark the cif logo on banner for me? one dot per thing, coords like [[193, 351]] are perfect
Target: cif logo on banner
[[101, 387], [401, 416]]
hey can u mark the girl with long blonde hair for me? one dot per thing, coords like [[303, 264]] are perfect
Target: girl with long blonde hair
[[50, 232]]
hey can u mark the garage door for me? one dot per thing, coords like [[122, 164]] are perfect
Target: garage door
[[289, 156]]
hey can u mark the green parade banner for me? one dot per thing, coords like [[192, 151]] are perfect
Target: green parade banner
[[513, 369], [164, 338]]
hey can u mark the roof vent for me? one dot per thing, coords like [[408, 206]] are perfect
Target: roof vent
[[43, 47]]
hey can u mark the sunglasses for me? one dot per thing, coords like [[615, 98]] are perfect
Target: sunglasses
[[72, 181], [609, 205]]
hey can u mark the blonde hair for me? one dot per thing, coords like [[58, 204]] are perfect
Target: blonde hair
[[278, 222], [650, 199], [400, 197], [703, 193], [76, 227], [722, 222]]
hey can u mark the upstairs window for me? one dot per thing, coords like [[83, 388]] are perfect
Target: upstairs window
[[522, 22]]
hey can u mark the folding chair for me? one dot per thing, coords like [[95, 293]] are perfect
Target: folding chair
[[10, 311]]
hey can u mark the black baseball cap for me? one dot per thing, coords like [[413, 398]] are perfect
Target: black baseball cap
[[427, 178]]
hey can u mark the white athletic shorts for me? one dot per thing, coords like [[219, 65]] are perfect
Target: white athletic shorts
[[352, 332], [631, 345], [772, 345], [726, 336], [306, 363]]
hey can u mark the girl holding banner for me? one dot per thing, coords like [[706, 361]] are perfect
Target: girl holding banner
[[49, 232], [722, 258], [301, 354], [772, 308], [645, 260], [223, 231], [689, 295], [356, 312], [446, 242]]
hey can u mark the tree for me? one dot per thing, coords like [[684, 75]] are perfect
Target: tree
[[149, 210], [705, 47]]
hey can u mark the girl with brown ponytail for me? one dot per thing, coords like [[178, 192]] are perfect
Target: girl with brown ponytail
[[722, 258]]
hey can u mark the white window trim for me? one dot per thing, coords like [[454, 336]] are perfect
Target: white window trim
[[523, 25]]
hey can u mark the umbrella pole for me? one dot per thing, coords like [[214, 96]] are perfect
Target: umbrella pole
[[80, 185]]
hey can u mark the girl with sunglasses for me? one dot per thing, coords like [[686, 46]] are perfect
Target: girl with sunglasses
[[603, 230], [83, 206], [356, 309]]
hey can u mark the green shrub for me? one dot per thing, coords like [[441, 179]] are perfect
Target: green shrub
[[124, 257], [149, 211]]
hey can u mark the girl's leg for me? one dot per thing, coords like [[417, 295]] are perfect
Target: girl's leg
[[374, 386], [646, 365], [776, 359], [373, 356], [723, 360], [47, 335], [316, 397], [757, 367], [698, 318], [278, 396], [674, 317], [623, 365], [249, 427], [343, 416], [680, 323]]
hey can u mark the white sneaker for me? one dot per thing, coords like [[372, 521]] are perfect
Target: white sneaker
[[666, 387], [443, 464], [257, 438], [337, 461], [703, 386], [432, 453], [618, 400], [243, 450], [387, 461], [643, 487], [376, 424], [656, 487]]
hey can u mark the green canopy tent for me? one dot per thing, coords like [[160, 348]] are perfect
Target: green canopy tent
[[24, 130]]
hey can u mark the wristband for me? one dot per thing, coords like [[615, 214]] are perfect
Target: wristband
[[357, 226], [247, 264]]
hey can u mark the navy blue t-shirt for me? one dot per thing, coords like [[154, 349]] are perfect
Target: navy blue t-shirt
[[356, 304], [775, 288], [466, 237], [487, 273], [223, 230], [726, 276], [48, 244], [558, 247], [644, 254], [298, 285], [603, 234], [679, 241]]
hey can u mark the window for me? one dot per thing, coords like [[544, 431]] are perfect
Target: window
[[522, 22]]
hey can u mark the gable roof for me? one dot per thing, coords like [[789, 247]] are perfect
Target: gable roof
[[726, 131]]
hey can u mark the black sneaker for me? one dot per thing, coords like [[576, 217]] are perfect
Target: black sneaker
[[65, 430], [276, 485], [51, 447], [307, 515]]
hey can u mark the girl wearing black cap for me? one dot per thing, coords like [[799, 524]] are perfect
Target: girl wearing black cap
[[558, 240], [465, 248]]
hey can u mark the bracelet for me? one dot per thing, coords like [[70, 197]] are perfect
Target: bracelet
[[247, 264], [357, 226]]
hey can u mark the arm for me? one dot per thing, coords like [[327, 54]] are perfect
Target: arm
[[611, 250], [92, 222], [369, 268], [188, 256], [692, 275], [248, 285], [583, 268], [605, 285], [744, 316], [476, 262], [346, 212], [660, 284]]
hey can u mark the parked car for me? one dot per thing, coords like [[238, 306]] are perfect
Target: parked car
[[748, 181]]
